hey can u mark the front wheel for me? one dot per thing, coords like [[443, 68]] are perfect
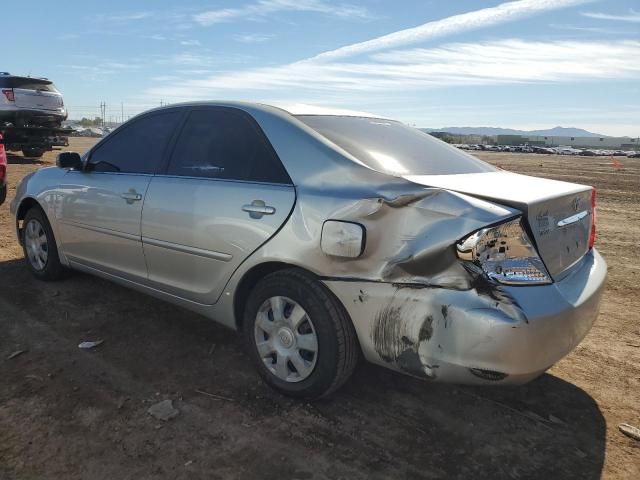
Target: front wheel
[[299, 335], [39, 246]]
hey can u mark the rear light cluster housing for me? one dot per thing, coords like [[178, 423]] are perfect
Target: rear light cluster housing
[[506, 254]]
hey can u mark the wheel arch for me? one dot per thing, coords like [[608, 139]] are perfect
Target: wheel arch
[[249, 280], [256, 273], [26, 204]]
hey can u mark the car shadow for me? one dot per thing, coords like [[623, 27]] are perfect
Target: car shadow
[[13, 159], [379, 425]]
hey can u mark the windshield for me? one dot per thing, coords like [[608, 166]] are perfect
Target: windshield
[[394, 148]]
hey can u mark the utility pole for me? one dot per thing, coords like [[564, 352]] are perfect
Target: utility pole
[[103, 112], [121, 112]]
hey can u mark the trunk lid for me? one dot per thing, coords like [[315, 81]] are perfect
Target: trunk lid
[[558, 213]]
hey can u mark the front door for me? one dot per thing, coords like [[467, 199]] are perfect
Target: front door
[[223, 195], [101, 206]]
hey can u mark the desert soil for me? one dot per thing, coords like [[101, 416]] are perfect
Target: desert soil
[[67, 413]]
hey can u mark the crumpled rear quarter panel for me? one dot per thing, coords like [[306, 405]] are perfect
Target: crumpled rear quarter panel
[[483, 334]]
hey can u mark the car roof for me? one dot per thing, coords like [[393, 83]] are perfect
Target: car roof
[[302, 109], [295, 109]]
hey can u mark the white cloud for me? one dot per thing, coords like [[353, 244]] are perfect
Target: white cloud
[[68, 36], [101, 69], [486, 17], [263, 8], [633, 16], [124, 17], [189, 59], [252, 37], [324, 73], [190, 43], [490, 63], [600, 30]]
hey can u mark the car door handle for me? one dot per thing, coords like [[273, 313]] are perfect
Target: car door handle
[[131, 197], [258, 208]]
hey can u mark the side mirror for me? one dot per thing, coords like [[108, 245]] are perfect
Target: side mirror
[[70, 160]]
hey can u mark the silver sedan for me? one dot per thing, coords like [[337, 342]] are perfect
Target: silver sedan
[[326, 236]]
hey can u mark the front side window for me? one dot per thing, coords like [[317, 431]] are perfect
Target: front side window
[[394, 148], [137, 147], [225, 143]]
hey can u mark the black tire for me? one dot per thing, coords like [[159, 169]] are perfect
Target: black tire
[[52, 270], [338, 350], [33, 152]]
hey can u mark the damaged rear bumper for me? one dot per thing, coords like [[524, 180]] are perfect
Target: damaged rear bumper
[[493, 334]]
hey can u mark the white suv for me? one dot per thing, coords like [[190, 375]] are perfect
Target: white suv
[[26, 101]]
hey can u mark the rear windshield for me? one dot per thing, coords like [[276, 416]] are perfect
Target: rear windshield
[[27, 84], [394, 148]]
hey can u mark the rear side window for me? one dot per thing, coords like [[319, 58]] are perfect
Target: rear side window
[[225, 143], [393, 148], [137, 147]]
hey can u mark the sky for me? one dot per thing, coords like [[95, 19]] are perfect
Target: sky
[[526, 64]]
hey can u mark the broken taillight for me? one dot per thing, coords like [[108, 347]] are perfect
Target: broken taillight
[[592, 234], [505, 253], [8, 92]]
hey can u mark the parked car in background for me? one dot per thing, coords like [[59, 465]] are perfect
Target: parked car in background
[[3, 172], [323, 236], [29, 101]]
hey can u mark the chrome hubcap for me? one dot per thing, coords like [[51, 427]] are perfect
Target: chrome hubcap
[[286, 339], [35, 241]]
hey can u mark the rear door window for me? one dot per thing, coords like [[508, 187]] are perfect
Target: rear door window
[[138, 146], [225, 143], [393, 148]]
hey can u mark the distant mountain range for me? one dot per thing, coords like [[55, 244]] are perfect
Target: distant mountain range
[[550, 132]]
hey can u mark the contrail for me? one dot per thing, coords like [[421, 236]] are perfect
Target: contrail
[[486, 17]]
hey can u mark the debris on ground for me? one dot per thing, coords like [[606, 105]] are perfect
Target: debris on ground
[[163, 410], [15, 354], [90, 344], [212, 395], [630, 431]]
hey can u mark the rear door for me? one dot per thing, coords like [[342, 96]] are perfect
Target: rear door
[[101, 207], [224, 193]]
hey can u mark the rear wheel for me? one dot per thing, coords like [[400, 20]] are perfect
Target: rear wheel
[[33, 152], [299, 335], [39, 246]]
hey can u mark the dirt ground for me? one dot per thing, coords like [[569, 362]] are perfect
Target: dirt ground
[[67, 413]]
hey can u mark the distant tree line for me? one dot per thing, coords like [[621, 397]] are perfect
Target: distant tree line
[[87, 122]]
